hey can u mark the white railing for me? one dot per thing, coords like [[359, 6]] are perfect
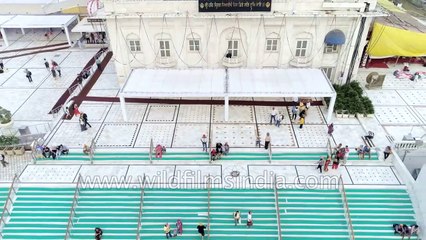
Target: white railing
[[408, 145], [329, 148], [7, 209], [138, 230], [277, 206], [270, 152], [73, 207], [208, 206], [346, 208], [92, 149], [151, 149]]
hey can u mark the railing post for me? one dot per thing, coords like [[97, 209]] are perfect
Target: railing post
[[73, 206], [270, 152], [138, 235], [277, 206], [92, 150], [342, 191], [208, 206], [151, 149]]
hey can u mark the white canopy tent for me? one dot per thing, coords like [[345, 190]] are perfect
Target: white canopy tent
[[37, 21], [85, 26], [226, 83]]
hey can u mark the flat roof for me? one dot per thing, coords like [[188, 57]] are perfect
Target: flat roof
[[85, 26], [242, 82], [37, 21]]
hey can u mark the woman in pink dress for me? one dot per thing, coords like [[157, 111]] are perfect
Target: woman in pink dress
[[158, 151]]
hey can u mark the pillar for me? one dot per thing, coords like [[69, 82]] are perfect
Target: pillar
[[23, 31], [226, 108], [68, 35], [3, 33], [123, 108], [330, 108]]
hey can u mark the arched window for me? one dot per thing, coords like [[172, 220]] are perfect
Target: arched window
[[134, 43], [333, 40]]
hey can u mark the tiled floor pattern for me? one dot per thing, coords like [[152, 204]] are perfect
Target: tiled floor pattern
[[393, 115], [293, 175]]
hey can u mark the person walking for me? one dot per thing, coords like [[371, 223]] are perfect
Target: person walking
[[279, 119], [327, 163], [167, 231], [81, 122], [179, 227], [320, 164], [249, 219], [267, 140], [330, 129], [345, 158], [58, 69], [53, 72], [336, 162], [76, 111], [258, 141], [367, 151], [46, 65], [273, 116], [204, 142], [237, 218], [308, 104], [28, 75], [1, 64], [99, 64], [85, 119], [387, 152], [3, 160], [360, 152], [201, 231], [294, 112], [301, 122]]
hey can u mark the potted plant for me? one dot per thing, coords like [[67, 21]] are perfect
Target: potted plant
[[368, 107], [6, 142], [5, 118]]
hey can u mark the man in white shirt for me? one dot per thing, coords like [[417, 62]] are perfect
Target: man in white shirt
[[273, 115]]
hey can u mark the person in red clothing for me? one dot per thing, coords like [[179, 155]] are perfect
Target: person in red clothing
[[327, 162], [158, 151], [76, 111]]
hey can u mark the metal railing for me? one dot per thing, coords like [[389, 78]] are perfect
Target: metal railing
[[209, 147], [138, 231], [92, 150], [151, 149], [270, 152], [208, 206], [329, 148], [346, 208], [73, 207], [7, 209], [277, 206]]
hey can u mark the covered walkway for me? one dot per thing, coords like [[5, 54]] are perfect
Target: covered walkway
[[36, 21], [227, 83]]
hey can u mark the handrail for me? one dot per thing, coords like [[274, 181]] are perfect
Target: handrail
[[73, 206], [277, 206], [209, 146], [9, 201], [270, 152], [346, 208], [329, 148], [151, 149], [140, 209], [92, 150], [208, 206]]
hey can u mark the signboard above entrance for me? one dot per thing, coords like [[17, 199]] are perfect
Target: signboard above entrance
[[234, 5]]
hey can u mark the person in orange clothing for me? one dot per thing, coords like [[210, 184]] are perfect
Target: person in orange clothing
[[327, 162]]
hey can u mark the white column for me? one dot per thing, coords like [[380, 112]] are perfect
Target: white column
[[226, 108], [330, 108], [23, 31], [123, 108], [67, 34], [3, 33]]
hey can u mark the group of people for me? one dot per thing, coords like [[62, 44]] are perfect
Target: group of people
[[221, 149], [54, 152], [83, 119], [338, 156], [404, 230], [237, 218], [159, 151], [53, 68], [363, 151], [173, 233], [296, 111], [95, 38]]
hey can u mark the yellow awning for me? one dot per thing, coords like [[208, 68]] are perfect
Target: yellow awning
[[389, 41]]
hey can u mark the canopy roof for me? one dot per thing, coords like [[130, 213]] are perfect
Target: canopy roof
[[240, 83], [85, 26], [37, 21], [335, 37]]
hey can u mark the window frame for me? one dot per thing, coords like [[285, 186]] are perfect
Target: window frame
[[193, 46], [134, 45], [328, 71], [233, 48], [271, 45], [164, 48], [301, 51], [331, 48]]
